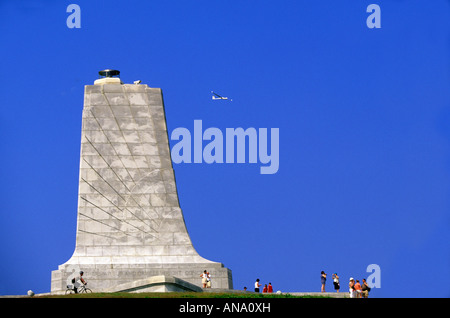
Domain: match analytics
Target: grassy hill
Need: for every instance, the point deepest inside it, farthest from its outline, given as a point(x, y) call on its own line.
point(183, 295)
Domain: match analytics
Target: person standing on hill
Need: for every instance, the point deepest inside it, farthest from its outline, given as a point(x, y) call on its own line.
point(365, 289)
point(204, 277)
point(336, 282)
point(351, 288)
point(323, 280)
point(257, 285)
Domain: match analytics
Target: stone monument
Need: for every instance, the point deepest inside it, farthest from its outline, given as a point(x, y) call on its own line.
point(130, 228)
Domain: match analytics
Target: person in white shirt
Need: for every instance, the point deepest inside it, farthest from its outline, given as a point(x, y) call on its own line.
point(76, 282)
point(257, 285)
point(204, 277)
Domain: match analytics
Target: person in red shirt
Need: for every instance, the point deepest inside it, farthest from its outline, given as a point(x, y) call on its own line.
point(269, 288)
point(265, 288)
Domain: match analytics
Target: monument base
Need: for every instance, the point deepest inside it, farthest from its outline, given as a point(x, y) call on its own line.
point(109, 277)
point(157, 284)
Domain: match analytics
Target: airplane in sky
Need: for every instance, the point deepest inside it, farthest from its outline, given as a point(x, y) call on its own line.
point(217, 96)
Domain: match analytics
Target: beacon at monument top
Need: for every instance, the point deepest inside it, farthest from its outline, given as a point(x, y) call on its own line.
point(108, 76)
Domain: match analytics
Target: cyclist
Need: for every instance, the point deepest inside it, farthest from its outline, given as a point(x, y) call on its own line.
point(76, 281)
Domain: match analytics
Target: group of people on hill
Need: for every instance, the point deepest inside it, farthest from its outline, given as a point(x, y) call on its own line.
point(355, 288)
point(358, 290)
point(266, 289)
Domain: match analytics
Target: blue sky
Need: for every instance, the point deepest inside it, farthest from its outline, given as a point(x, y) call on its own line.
point(363, 116)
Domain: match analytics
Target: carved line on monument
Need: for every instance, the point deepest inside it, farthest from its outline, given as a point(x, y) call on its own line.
point(107, 163)
point(121, 210)
point(121, 220)
point(115, 205)
point(148, 117)
point(130, 192)
point(124, 199)
point(134, 120)
point(142, 177)
point(121, 130)
point(149, 174)
point(103, 223)
point(123, 165)
point(115, 150)
point(98, 234)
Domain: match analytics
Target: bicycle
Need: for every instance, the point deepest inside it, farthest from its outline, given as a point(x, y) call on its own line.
point(82, 289)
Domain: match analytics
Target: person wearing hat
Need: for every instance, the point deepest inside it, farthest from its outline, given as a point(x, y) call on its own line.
point(336, 282)
point(351, 288)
